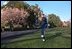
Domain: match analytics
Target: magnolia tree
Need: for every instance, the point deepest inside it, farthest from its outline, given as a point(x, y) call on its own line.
point(11, 16)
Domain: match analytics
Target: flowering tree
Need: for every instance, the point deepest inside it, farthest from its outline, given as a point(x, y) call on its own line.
point(13, 16)
point(19, 13)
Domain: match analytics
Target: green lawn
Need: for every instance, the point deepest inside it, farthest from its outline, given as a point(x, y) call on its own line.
point(55, 38)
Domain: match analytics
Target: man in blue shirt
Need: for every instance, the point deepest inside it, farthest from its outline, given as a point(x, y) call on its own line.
point(43, 23)
point(43, 26)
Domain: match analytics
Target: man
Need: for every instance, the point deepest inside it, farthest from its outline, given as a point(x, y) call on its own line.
point(43, 22)
point(43, 26)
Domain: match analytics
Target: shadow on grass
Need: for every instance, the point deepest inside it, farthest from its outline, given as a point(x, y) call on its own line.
point(23, 40)
point(18, 41)
point(51, 37)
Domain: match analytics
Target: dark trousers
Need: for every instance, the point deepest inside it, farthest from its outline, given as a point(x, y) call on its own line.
point(43, 27)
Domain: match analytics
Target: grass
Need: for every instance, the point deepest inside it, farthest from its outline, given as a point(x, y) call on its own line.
point(55, 38)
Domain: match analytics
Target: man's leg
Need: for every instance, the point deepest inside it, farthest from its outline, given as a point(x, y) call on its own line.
point(43, 34)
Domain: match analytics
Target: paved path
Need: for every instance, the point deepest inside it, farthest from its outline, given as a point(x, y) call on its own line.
point(6, 36)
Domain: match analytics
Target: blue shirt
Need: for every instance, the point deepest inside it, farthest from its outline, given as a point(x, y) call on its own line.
point(44, 23)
